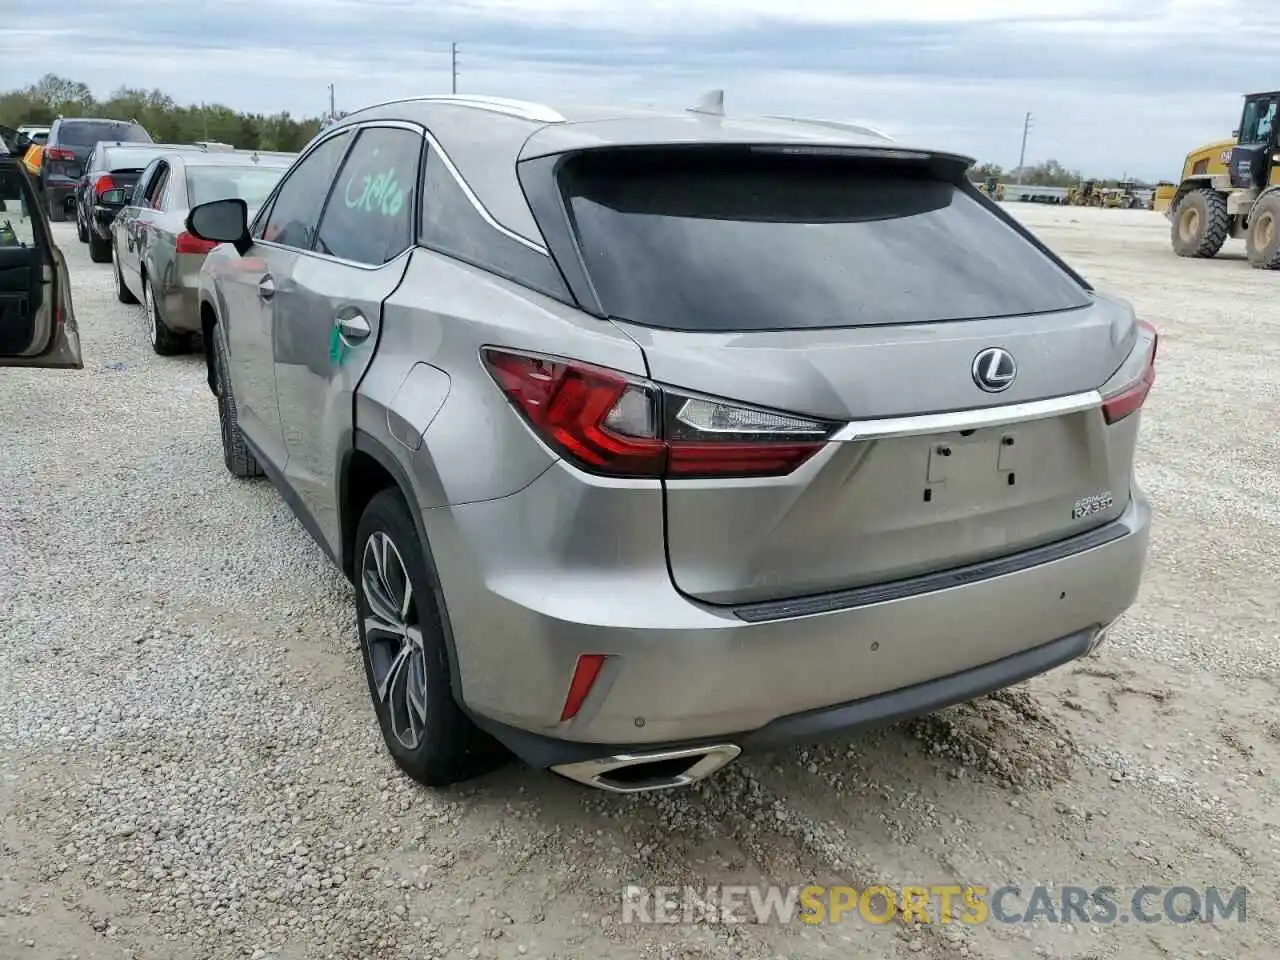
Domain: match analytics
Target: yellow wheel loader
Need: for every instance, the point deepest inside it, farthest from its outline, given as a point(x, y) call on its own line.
point(1232, 189)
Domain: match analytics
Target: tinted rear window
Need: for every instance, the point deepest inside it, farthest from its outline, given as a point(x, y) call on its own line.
point(85, 133)
point(747, 240)
point(250, 184)
point(130, 158)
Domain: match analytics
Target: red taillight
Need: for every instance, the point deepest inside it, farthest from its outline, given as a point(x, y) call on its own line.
point(1133, 395)
point(103, 184)
point(59, 153)
point(609, 423)
point(186, 243)
point(584, 677)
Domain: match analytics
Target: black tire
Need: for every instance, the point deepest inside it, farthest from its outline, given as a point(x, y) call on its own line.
point(235, 453)
point(445, 747)
point(163, 340)
point(123, 293)
point(82, 232)
point(99, 249)
point(1262, 241)
point(1200, 224)
point(57, 211)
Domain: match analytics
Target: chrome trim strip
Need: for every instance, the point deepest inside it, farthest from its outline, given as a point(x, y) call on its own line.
point(923, 424)
point(353, 129)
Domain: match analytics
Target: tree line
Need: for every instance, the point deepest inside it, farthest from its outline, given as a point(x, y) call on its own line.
point(166, 120)
point(170, 122)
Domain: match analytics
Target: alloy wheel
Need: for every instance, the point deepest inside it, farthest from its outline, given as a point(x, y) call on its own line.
point(394, 639)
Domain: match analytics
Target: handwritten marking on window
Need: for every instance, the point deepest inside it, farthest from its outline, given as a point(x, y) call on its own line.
point(375, 193)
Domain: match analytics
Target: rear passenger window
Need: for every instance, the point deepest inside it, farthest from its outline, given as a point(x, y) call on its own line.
point(371, 212)
point(293, 217)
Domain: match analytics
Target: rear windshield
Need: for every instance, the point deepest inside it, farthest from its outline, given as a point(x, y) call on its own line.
point(250, 184)
point(85, 133)
point(755, 240)
point(131, 158)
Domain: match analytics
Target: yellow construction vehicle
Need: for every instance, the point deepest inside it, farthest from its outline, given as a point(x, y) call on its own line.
point(1231, 189)
point(1085, 194)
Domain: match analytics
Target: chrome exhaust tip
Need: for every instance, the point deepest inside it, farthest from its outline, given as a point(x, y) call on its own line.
point(655, 770)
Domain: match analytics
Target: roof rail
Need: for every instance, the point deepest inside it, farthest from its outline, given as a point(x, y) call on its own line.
point(522, 109)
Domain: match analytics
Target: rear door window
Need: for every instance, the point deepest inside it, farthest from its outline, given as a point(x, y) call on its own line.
point(761, 240)
point(372, 211)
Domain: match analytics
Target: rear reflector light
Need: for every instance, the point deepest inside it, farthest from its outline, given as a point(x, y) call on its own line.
point(1133, 395)
point(585, 675)
point(103, 184)
point(186, 243)
point(609, 423)
point(59, 153)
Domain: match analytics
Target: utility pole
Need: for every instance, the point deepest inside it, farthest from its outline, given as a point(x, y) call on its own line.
point(454, 59)
point(1022, 156)
point(333, 110)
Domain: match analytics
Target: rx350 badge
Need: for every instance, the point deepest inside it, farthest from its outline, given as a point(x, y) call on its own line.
point(1088, 506)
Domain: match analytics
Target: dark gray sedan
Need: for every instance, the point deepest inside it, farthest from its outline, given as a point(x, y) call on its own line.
point(154, 258)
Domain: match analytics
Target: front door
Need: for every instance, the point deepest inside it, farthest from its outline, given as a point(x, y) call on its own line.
point(333, 310)
point(261, 285)
point(37, 322)
point(1251, 157)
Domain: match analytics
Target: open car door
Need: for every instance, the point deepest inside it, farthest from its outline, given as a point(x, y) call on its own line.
point(37, 323)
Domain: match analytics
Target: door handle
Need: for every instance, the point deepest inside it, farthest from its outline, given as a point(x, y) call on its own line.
point(353, 328)
point(266, 288)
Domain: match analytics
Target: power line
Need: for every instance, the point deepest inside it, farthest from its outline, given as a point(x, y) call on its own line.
point(1022, 156)
point(454, 58)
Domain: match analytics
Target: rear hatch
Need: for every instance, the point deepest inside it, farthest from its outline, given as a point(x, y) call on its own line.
point(866, 296)
point(77, 138)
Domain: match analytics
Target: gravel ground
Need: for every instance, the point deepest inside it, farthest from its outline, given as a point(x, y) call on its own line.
point(189, 767)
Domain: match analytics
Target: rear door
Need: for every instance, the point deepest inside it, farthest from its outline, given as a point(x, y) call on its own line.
point(963, 361)
point(333, 305)
point(145, 210)
point(37, 322)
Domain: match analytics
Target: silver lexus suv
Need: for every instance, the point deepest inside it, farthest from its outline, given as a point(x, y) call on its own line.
point(650, 437)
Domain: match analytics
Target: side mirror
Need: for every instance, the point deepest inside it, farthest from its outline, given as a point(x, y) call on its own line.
point(221, 221)
point(115, 198)
point(1235, 134)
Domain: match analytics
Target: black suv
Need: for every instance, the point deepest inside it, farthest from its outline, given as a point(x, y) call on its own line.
point(71, 140)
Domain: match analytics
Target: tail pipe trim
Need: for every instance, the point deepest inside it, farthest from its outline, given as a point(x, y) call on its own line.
point(656, 770)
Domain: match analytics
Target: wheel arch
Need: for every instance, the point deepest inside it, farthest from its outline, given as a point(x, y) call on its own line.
point(365, 468)
point(1186, 186)
point(208, 324)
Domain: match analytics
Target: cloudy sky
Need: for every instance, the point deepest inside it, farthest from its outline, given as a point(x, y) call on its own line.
point(1113, 85)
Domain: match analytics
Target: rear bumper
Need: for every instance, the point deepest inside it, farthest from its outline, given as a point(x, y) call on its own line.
point(59, 189)
point(182, 305)
point(681, 672)
point(835, 720)
point(101, 219)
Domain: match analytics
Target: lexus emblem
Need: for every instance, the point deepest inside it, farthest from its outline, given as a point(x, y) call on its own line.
point(994, 369)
